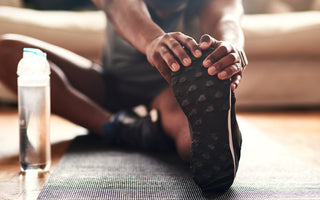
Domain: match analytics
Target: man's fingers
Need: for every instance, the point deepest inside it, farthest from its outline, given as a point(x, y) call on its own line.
point(235, 81)
point(206, 41)
point(177, 50)
point(169, 59)
point(224, 62)
point(229, 71)
point(221, 50)
point(164, 71)
point(189, 43)
point(178, 43)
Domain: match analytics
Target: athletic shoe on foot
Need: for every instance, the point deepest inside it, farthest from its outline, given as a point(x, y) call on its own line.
point(206, 101)
point(127, 128)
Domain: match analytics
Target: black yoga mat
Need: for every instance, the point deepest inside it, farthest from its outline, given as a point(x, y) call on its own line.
point(91, 170)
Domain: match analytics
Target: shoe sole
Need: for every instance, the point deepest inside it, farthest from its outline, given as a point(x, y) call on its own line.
point(206, 101)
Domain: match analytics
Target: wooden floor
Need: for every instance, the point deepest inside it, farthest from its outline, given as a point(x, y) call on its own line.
point(298, 131)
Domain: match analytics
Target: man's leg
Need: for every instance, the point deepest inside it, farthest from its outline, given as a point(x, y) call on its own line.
point(205, 128)
point(77, 88)
point(174, 121)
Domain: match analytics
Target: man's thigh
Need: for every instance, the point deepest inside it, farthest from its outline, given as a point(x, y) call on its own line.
point(78, 71)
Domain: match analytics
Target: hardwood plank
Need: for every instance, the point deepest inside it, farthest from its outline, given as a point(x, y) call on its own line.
point(13, 184)
point(298, 131)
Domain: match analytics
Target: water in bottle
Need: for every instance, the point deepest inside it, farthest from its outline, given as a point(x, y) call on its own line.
point(34, 110)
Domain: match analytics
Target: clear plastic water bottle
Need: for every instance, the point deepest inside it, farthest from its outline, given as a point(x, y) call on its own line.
point(34, 110)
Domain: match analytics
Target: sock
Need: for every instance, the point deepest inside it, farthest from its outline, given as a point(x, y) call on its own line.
point(110, 129)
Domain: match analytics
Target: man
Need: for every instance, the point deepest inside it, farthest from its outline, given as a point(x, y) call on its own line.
point(195, 110)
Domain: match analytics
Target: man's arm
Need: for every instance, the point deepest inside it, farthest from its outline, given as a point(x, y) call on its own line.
point(220, 19)
point(132, 21)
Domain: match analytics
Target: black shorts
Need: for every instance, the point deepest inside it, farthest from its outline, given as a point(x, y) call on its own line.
point(124, 95)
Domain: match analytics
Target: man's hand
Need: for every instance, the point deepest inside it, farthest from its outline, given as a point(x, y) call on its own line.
point(224, 60)
point(167, 50)
point(99, 3)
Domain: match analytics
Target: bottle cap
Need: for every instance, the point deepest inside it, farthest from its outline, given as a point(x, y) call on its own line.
point(33, 63)
point(33, 51)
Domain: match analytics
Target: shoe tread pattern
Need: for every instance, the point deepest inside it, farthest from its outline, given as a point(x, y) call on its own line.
point(205, 101)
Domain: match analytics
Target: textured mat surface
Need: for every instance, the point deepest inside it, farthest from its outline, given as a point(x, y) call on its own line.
point(89, 170)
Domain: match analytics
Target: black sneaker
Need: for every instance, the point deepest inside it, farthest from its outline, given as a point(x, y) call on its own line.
point(206, 101)
point(129, 129)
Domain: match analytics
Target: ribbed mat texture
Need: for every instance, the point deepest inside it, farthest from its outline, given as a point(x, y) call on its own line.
point(90, 170)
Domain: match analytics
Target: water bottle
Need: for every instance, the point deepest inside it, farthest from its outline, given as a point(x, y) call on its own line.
point(34, 111)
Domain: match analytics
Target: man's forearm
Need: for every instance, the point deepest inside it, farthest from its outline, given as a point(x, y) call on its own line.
point(132, 21)
point(221, 20)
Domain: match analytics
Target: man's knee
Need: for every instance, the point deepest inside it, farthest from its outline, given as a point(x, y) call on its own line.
point(9, 56)
point(10, 51)
point(9, 42)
